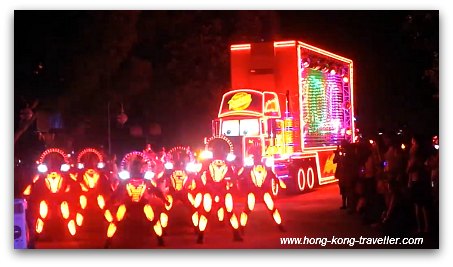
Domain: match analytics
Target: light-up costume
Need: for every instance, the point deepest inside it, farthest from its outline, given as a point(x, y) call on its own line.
point(180, 181)
point(136, 198)
point(219, 186)
point(95, 187)
point(52, 203)
point(256, 183)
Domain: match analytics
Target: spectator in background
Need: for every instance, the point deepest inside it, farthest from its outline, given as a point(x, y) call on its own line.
point(433, 167)
point(393, 172)
point(340, 174)
point(419, 183)
point(394, 219)
point(368, 201)
point(393, 161)
point(349, 174)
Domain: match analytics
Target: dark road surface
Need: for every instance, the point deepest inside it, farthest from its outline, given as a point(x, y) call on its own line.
point(311, 215)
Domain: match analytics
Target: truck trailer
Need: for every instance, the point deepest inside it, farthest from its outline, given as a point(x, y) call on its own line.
point(292, 104)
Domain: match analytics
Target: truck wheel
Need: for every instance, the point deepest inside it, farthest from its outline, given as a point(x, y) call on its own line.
point(301, 179)
point(310, 178)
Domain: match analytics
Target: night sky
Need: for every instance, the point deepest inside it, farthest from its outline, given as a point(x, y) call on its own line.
point(391, 50)
point(390, 89)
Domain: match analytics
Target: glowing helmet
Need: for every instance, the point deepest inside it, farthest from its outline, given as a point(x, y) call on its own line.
point(221, 148)
point(136, 165)
point(90, 158)
point(53, 160)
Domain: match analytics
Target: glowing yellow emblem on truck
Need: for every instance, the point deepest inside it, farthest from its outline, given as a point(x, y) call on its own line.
point(330, 167)
point(240, 101)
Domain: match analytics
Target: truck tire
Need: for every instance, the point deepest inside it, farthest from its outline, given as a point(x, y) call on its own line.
point(303, 179)
point(310, 178)
point(296, 182)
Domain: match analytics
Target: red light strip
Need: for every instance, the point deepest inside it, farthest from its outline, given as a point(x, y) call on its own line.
point(321, 148)
point(90, 150)
point(328, 180)
point(241, 113)
point(284, 43)
point(351, 86)
point(220, 128)
point(324, 52)
point(318, 168)
point(240, 47)
point(301, 111)
point(305, 156)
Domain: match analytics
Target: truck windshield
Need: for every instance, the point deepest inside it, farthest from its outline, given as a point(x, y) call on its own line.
point(246, 127)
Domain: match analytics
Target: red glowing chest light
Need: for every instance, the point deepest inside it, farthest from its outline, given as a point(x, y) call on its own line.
point(218, 169)
point(135, 189)
point(259, 175)
point(53, 182)
point(178, 179)
point(91, 178)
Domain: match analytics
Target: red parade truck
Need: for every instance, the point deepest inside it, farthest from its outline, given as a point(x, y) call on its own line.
point(293, 103)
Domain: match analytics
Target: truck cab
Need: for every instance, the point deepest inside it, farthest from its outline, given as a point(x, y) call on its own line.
point(249, 118)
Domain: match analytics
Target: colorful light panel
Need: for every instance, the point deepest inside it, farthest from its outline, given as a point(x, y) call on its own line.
point(322, 98)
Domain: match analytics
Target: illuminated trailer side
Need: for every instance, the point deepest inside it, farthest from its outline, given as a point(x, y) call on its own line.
point(297, 101)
